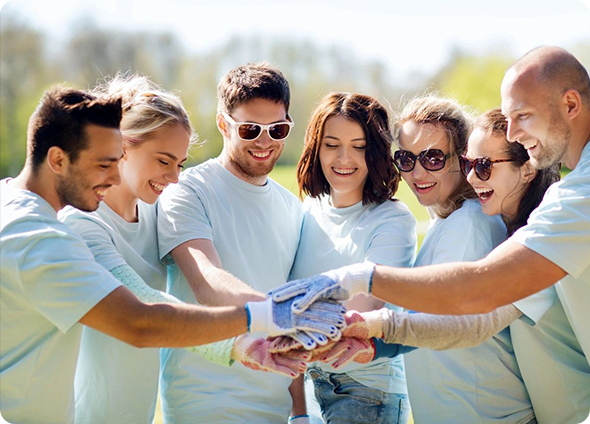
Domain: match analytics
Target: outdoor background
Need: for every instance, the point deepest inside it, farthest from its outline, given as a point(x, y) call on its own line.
point(388, 49)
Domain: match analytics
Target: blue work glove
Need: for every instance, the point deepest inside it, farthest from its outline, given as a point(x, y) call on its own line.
point(338, 284)
point(278, 318)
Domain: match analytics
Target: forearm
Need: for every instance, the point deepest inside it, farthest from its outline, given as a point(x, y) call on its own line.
point(441, 332)
point(212, 285)
point(123, 316)
point(509, 273)
point(297, 391)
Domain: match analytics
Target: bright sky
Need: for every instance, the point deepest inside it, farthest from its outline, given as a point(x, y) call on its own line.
point(410, 36)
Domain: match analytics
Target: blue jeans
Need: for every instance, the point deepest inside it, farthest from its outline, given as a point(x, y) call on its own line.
point(344, 400)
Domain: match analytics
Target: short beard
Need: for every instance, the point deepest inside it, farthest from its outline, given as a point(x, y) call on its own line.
point(556, 142)
point(252, 172)
point(68, 191)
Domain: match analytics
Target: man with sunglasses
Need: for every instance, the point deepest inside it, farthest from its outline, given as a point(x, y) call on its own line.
point(231, 234)
point(546, 100)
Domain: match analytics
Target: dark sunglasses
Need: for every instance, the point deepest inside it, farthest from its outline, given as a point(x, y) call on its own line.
point(431, 159)
point(481, 166)
point(250, 131)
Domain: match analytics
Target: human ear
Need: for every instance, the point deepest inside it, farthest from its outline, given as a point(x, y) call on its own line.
point(528, 172)
point(573, 103)
point(222, 125)
point(57, 160)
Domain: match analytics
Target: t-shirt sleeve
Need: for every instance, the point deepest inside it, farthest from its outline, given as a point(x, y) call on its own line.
point(61, 279)
point(535, 306)
point(394, 242)
point(559, 229)
point(98, 241)
point(181, 217)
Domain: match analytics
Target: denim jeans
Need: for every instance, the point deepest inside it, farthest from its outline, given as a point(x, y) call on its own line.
point(344, 400)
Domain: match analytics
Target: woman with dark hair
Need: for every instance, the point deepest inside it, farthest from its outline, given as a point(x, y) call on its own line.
point(350, 216)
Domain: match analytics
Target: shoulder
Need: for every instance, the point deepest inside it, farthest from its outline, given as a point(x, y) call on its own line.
point(83, 222)
point(281, 191)
point(393, 209)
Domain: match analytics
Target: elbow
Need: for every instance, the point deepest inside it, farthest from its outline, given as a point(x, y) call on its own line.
point(136, 331)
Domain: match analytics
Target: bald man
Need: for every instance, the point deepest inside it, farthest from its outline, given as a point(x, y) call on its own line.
point(546, 100)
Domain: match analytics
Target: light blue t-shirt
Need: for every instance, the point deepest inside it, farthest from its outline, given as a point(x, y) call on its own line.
point(117, 383)
point(255, 230)
point(553, 366)
point(482, 384)
point(334, 237)
point(559, 230)
point(49, 281)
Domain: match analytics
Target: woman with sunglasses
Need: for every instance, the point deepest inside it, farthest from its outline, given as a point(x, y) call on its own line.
point(470, 385)
point(115, 382)
point(350, 215)
point(553, 367)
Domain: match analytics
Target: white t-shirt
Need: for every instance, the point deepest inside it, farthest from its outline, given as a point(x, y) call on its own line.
point(559, 229)
point(553, 366)
point(117, 383)
point(482, 384)
point(334, 237)
point(49, 281)
point(255, 230)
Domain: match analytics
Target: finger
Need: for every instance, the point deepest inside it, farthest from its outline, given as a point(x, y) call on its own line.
point(285, 366)
point(301, 304)
point(318, 338)
point(357, 347)
point(283, 344)
point(339, 349)
point(335, 318)
point(317, 326)
point(286, 292)
point(307, 339)
point(299, 355)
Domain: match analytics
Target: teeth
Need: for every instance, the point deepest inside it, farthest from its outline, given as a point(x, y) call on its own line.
point(483, 190)
point(261, 154)
point(425, 185)
point(344, 170)
point(529, 146)
point(100, 191)
point(158, 187)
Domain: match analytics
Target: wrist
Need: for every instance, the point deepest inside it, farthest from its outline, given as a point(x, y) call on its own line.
point(374, 321)
point(355, 278)
point(257, 316)
point(299, 419)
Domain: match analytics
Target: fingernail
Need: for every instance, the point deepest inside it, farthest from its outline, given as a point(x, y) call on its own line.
point(324, 358)
point(348, 348)
point(292, 374)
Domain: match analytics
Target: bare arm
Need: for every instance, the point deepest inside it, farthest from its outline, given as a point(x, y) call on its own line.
point(509, 273)
point(442, 332)
point(297, 391)
point(123, 316)
point(200, 263)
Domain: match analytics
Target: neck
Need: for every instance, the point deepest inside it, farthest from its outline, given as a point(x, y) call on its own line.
point(344, 200)
point(230, 166)
point(579, 140)
point(42, 184)
point(120, 199)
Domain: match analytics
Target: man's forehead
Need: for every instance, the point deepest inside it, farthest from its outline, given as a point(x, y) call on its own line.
point(518, 88)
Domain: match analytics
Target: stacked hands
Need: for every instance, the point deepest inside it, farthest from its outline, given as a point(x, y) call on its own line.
point(307, 323)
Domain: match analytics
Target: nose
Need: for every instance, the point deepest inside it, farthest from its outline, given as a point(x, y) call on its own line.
point(263, 140)
point(418, 170)
point(513, 131)
point(172, 176)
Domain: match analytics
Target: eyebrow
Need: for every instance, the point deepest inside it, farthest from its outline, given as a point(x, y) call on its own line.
point(109, 159)
point(170, 155)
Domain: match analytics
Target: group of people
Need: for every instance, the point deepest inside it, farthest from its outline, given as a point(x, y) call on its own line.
point(101, 228)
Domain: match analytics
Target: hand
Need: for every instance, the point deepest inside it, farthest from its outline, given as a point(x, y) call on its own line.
point(253, 353)
point(278, 318)
point(344, 351)
point(338, 284)
point(308, 340)
point(365, 325)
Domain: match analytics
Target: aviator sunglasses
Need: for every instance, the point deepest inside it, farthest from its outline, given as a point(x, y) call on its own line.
point(430, 159)
point(481, 166)
point(250, 131)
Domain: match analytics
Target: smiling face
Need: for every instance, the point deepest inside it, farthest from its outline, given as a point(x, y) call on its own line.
point(533, 120)
point(342, 156)
point(431, 188)
point(150, 165)
point(252, 161)
point(87, 179)
point(502, 192)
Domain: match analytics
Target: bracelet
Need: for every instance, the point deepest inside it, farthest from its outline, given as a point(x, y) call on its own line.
point(299, 416)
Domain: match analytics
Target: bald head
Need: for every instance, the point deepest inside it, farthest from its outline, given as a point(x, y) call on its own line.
point(555, 69)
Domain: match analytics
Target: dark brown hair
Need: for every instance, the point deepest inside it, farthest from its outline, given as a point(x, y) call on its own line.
point(450, 116)
point(251, 81)
point(61, 119)
point(383, 178)
point(494, 123)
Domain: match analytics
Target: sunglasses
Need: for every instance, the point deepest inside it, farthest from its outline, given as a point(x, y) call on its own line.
point(431, 159)
point(250, 131)
point(481, 166)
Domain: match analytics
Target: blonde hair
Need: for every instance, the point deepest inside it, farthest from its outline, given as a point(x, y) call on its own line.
point(146, 107)
point(450, 116)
